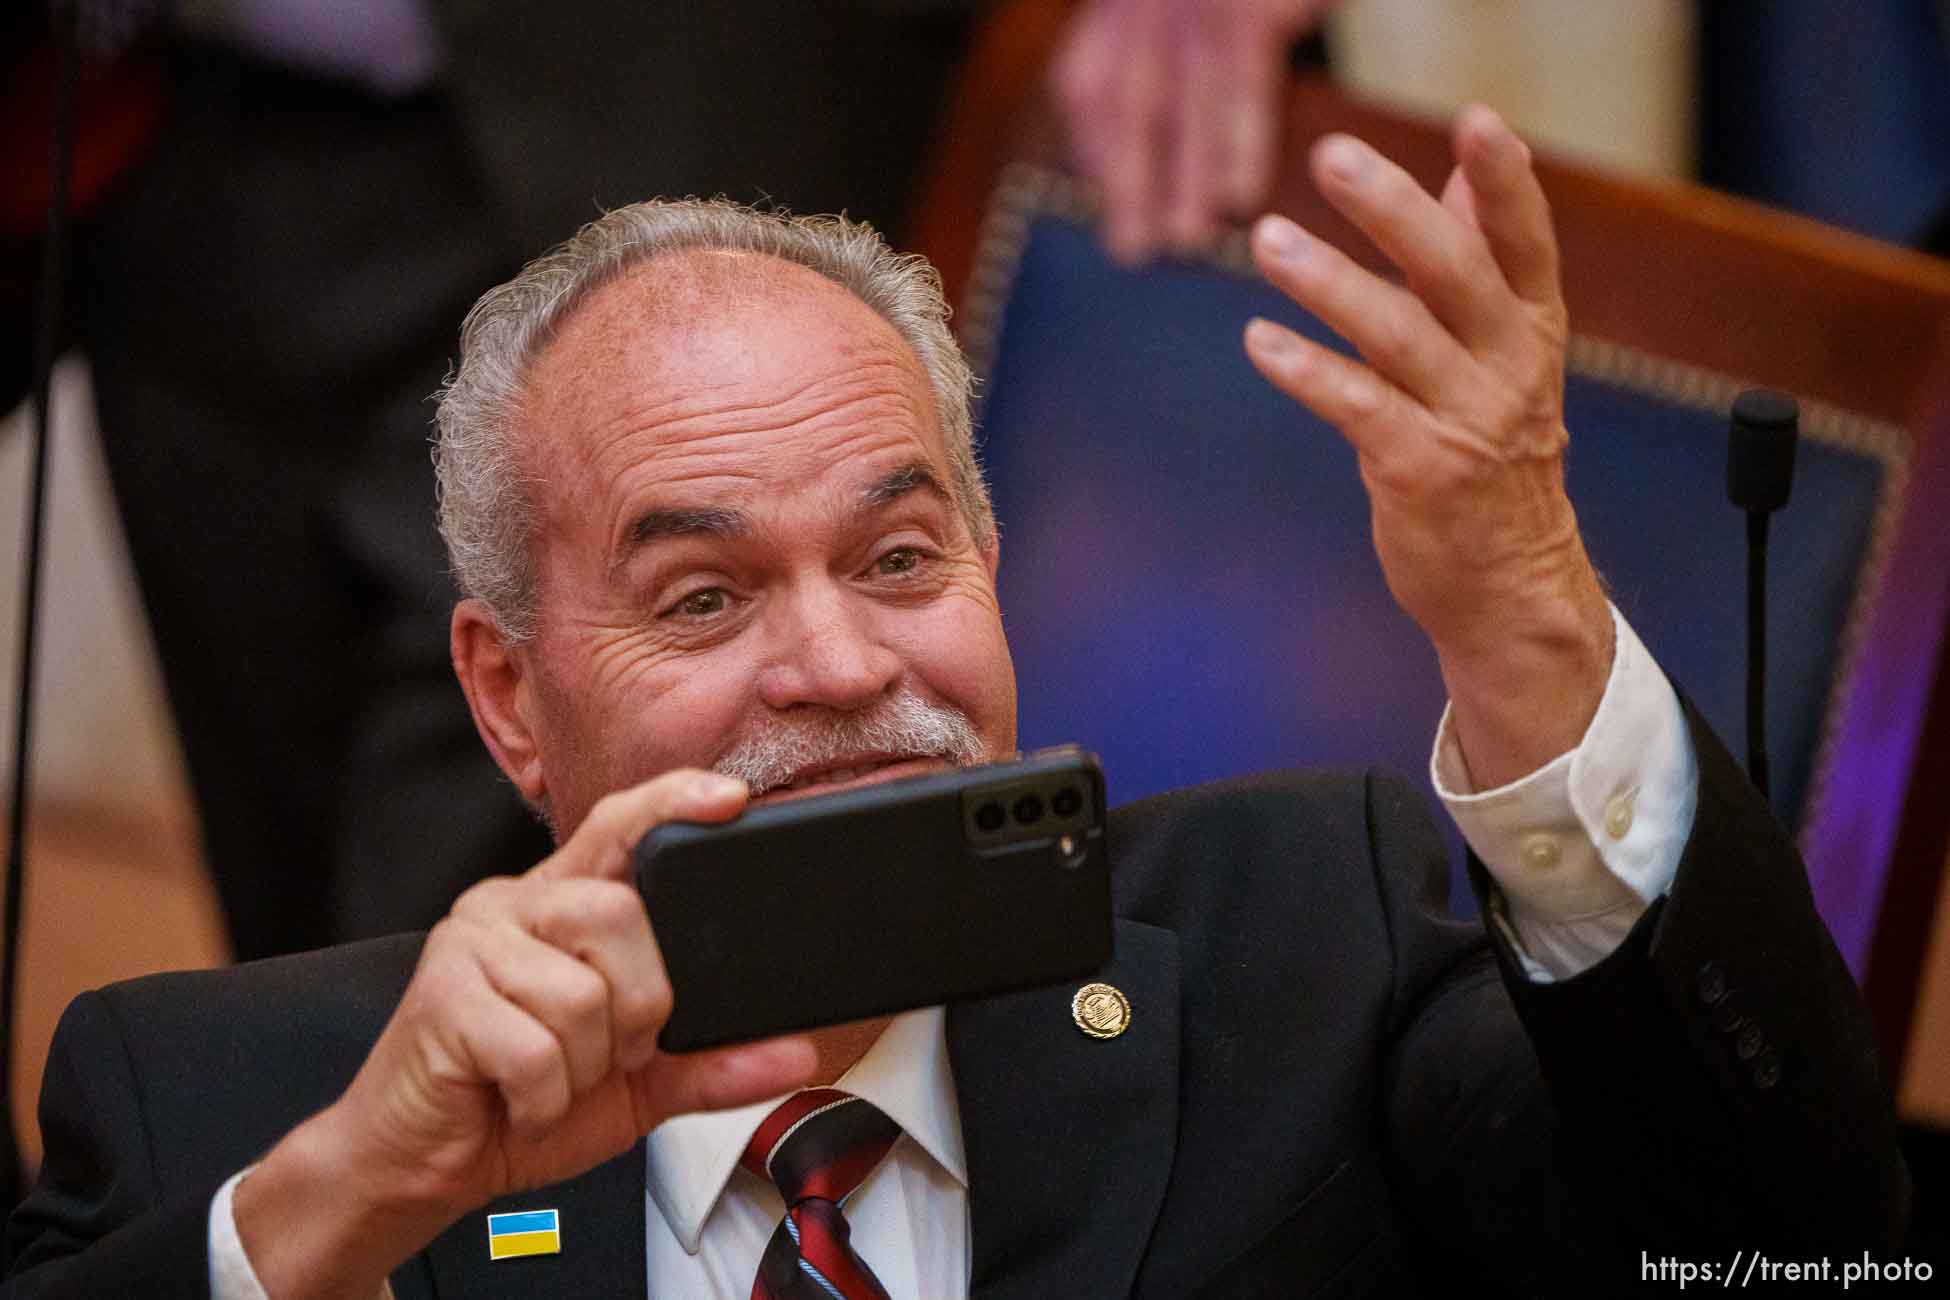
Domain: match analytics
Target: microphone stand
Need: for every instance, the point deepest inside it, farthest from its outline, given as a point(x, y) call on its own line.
point(1757, 651)
point(1760, 472)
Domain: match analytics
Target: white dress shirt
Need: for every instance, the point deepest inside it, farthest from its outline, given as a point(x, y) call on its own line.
point(709, 1220)
point(1578, 850)
point(1581, 847)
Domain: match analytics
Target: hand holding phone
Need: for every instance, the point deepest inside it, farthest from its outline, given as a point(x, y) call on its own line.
point(865, 902)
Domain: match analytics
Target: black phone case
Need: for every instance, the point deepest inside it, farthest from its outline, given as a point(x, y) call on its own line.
point(877, 900)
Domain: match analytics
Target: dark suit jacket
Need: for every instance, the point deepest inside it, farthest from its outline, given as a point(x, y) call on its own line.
point(1326, 1089)
point(825, 105)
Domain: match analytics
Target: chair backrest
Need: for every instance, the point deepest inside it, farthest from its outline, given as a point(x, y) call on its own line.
point(1187, 576)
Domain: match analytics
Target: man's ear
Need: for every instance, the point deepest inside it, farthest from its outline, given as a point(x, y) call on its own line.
point(498, 681)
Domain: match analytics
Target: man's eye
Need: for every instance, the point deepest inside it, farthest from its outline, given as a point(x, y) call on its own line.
point(701, 604)
point(899, 561)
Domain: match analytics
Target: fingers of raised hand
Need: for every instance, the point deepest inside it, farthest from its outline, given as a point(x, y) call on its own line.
point(1509, 204)
point(1478, 335)
point(1391, 327)
point(1366, 408)
point(604, 845)
point(1446, 262)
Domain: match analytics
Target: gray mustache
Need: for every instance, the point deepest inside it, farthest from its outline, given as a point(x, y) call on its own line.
point(904, 724)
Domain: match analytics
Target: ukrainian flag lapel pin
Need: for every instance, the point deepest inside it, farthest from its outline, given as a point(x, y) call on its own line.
point(529, 1232)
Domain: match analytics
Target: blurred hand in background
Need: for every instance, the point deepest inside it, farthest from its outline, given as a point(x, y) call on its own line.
point(1173, 110)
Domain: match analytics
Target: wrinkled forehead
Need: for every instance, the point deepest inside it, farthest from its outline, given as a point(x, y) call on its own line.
point(660, 315)
point(674, 296)
point(692, 341)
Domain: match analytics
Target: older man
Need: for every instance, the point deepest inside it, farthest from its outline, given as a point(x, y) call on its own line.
point(709, 488)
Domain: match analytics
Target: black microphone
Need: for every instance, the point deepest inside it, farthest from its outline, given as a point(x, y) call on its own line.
point(1760, 472)
point(1760, 457)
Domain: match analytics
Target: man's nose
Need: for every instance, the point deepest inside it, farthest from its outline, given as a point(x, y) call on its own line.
point(825, 649)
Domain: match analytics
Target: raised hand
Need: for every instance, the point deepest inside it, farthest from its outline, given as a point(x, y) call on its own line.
point(1456, 414)
point(524, 1051)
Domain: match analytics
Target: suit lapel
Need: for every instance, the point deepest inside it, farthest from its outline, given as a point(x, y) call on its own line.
point(602, 1227)
point(1069, 1138)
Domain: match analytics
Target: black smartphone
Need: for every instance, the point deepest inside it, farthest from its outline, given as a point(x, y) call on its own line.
point(866, 902)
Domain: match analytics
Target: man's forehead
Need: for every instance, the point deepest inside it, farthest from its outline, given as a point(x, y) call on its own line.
point(729, 306)
point(693, 290)
point(693, 342)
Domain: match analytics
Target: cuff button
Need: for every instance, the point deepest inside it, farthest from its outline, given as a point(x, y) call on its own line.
point(1540, 852)
point(1618, 815)
point(1712, 982)
point(1748, 1042)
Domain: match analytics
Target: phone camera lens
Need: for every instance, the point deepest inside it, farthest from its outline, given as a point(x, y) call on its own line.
point(1065, 802)
point(1029, 809)
point(989, 817)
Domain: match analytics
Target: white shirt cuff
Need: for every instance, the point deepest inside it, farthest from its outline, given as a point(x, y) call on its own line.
point(231, 1274)
point(1580, 847)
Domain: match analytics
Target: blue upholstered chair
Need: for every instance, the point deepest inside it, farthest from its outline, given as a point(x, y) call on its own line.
point(1187, 577)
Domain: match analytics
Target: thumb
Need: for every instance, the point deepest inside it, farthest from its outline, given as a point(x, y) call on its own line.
point(720, 1078)
point(604, 845)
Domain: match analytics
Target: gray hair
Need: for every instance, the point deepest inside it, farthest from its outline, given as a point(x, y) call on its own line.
point(487, 509)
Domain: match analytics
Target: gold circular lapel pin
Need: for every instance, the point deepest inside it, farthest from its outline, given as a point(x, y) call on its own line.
point(1101, 1010)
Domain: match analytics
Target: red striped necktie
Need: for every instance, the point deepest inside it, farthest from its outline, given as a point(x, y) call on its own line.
point(816, 1148)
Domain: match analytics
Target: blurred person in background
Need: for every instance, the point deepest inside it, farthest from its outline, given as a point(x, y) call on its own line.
point(268, 300)
point(267, 297)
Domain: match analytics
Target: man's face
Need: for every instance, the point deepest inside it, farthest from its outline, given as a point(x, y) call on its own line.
point(748, 555)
